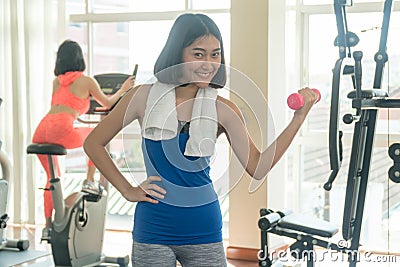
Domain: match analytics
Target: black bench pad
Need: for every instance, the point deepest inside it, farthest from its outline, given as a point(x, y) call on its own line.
point(308, 225)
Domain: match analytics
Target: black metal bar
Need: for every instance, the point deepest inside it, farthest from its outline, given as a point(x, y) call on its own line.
point(264, 256)
point(357, 55)
point(371, 123)
point(334, 141)
point(340, 22)
point(352, 184)
point(381, 56)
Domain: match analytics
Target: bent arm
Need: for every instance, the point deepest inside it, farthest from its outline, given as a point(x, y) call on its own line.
point(126, 111)
point(258, 164)
point(103, 133)
point(105, 100)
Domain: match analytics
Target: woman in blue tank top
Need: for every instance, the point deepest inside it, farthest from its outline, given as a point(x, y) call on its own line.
point(178, 217)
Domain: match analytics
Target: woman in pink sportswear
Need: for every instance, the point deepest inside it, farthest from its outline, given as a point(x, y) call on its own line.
point(70, 99)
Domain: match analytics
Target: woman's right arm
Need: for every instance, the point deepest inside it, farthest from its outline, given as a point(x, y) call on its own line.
point(123, 113)
point(109, 100)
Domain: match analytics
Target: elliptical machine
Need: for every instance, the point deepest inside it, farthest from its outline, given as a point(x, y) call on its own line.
point(79, 221)
point(6, 171)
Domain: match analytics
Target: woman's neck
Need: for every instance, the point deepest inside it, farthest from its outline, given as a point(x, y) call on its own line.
point(186, 92)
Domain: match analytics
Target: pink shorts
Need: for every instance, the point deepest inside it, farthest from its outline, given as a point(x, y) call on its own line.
point(59, 129)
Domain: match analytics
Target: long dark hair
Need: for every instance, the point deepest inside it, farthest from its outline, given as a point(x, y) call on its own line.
point(69, 58)
point(186, 29)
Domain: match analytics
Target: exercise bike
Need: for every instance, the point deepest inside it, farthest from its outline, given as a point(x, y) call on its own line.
point(78, 227)
point(6, 171)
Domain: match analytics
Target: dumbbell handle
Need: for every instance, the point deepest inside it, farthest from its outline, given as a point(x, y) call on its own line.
point(295, 101)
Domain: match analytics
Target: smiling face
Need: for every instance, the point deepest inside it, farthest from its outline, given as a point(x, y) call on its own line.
point(202, 60)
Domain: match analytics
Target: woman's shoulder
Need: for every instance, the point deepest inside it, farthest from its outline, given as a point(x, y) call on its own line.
point(223, 102)
point(144, 87)
point(141, 89)
point(227, 109)
point(136, 99)
point(139, 92)
point(87, 79)
point(56, 82)
point(87, 82)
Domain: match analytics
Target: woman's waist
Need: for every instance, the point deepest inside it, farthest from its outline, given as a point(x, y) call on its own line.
point(59, 109)
point(79, 105)
point(187, 194)
point(173, 176)
point(172, 212)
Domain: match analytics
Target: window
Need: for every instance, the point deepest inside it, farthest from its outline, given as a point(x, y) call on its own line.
point(110, 6)
point(311, 148)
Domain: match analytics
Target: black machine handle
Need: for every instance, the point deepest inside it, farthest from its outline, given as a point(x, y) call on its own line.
point(345, 40)
point(357, 55)
point(135, 70)
point(381, 56)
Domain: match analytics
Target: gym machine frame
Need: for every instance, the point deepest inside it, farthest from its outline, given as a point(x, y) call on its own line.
point(5, 165)
point(366, 103)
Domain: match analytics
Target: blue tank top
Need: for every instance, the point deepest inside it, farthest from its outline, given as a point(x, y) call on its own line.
point(190, 212)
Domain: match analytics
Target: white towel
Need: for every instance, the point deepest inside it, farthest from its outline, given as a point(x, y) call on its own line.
point(160, 118)
point(161, 121)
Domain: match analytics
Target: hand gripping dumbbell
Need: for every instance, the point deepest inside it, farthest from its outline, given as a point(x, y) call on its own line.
point(295, 101)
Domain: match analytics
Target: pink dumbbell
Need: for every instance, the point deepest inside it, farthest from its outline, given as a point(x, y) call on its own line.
point(295, 101)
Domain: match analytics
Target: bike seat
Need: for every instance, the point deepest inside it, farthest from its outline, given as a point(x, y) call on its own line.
point(46, 149)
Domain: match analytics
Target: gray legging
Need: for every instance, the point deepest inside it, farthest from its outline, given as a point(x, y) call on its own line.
point(145, 255)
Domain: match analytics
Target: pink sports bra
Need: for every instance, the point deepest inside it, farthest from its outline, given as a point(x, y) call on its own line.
point(63, 95)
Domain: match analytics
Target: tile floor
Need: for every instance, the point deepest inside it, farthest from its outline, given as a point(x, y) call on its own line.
point(116, 243)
